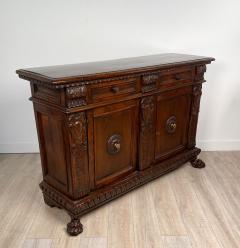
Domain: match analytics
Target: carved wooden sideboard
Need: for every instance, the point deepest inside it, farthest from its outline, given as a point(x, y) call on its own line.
point(106, 128)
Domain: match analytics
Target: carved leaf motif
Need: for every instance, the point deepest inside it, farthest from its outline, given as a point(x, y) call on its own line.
point(78, 147)
point(197, 92)
point(147, 131)
point(77, 123)
point(147, 110)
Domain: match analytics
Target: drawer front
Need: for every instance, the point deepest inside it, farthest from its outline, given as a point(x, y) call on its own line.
point(116, 89)
point(115, 140)
point(172, 120)
point(176, 76)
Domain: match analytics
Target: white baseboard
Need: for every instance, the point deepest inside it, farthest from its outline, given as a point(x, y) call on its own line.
point(205, 145)
point(19, 148)
point(219, 145)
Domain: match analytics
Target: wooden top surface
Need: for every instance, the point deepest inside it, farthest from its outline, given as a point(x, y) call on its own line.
point(102, 69)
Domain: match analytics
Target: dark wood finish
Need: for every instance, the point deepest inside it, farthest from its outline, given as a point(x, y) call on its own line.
point(106, 128)
point(173, 108)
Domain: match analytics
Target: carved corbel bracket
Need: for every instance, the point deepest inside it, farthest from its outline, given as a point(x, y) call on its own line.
point(200, 70)
point(76, 96)
point(149, 82)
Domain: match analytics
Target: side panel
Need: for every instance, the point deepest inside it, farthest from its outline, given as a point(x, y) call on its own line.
point(50, 126)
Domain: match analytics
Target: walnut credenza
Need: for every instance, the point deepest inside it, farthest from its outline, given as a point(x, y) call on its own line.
point(105, 128)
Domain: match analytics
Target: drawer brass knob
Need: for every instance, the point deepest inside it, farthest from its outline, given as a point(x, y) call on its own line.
point(115, 89)
point(178, 77)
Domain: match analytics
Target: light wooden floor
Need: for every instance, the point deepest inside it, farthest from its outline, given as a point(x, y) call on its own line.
point(187, 208)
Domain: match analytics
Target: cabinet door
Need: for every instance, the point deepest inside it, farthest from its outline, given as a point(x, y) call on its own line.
point(115, 140)
point(173, 110)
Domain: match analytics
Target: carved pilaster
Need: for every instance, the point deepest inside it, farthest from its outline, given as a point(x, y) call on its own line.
point(197, 92)
point(76, 96)
point(147, 130)
point(78, 148)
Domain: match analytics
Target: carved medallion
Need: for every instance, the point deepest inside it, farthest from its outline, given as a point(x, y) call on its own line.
point(171, 124)
point(114, 144)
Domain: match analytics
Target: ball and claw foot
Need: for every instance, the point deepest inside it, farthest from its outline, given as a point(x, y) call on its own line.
point(74, 227)
point(197, 163)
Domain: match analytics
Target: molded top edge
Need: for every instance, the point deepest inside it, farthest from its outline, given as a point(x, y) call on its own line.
point(60, 74)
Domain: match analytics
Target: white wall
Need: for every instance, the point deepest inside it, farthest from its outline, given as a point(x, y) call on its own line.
point(39, 33)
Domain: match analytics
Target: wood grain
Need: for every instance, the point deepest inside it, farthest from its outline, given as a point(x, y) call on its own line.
point(106, 128)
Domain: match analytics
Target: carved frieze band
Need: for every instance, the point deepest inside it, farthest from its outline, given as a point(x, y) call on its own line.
point(78, 147)
point(147, 131)
point(86, 204)
point(196, 97)
point(76, 96)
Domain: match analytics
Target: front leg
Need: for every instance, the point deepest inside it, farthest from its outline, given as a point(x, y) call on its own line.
point(74, 227)
point(197, 163)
